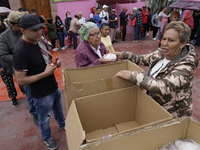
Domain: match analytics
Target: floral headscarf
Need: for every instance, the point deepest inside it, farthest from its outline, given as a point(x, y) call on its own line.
point(85, 30)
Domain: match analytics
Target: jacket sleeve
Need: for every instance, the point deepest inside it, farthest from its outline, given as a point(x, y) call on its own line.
point(122, 15)
point(152, 20)
point(144, 60)
point(131, 17)
point(178, 79)
point(82, 60)
point(5, 53)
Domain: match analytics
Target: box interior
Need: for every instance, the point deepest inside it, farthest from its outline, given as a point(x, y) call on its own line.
point(117, 112)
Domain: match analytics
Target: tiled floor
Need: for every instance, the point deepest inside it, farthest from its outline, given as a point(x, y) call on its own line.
point(17, 130)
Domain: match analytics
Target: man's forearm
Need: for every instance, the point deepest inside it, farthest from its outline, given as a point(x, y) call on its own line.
point(29, 79)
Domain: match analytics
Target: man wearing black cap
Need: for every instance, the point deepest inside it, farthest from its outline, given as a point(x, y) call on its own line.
point(32, 66)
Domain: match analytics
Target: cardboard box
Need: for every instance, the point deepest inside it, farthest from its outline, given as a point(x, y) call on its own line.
point(96, 79)
point(150, 138)
point(110, 114)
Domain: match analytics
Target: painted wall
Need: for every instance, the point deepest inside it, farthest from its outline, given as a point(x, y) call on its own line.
point(84, 6)
point(74, 7)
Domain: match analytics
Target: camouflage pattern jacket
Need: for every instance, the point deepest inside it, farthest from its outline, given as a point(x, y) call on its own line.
point(172, 87)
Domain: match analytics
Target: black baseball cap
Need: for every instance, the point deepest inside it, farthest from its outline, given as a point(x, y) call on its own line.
point(29, 21)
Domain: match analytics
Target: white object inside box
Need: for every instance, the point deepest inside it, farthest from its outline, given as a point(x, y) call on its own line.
point(110, 56)
point(185, 144)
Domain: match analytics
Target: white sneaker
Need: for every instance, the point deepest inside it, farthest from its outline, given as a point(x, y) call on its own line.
point(135, 40)
point(147, 33)
point(63, 48)
point(54, 49)
point(154, 39)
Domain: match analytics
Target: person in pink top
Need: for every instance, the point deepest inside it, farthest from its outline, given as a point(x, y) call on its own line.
point(188, 19)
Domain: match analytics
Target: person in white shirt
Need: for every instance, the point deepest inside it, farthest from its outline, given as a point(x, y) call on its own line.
point(81, 21)
point(104, 14)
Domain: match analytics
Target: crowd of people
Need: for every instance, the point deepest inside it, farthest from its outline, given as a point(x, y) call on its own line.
point(25, 53)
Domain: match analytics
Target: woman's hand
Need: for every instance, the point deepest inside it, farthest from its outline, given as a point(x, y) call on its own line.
point(118, 54)
point(125, 74)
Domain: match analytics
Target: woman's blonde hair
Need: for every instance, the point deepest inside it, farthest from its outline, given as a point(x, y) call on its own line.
point(183, 30)
point(79, 13)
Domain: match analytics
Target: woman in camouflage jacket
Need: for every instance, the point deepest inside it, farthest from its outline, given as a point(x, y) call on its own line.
point(170, 84)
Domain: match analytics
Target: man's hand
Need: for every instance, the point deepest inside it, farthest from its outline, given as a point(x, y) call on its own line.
point(49, 70)
point(2, 70)
point(125, 74)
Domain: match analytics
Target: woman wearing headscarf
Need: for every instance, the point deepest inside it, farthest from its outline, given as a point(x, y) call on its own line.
point(91, 51)
point(92, 12)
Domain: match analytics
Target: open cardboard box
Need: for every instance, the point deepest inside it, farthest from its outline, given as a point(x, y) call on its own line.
point(106, 115)
point(150, 138)
point(81, 82)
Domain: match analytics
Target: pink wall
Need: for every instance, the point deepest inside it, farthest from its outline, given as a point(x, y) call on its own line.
point(119, 9)
point(84, 6)
point(74, 7)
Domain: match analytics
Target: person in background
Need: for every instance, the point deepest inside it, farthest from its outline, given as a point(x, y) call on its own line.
point(60, 31)
point(172, 67)
point(92, 12)
point(74, 25)
point(161, 16)
point(138, 24)
point(23, 10)
point(174, 16)
point(149, 21)
point(32, 67)
point(97, 18)
point(81, 18)
point(196, 17)
point(104, 14)
point(8, 40)
point(145, 16)
point(123, 23)
point(113, 25)
point(67, 25)
point(81, 21)
point(33, 12)
point(155, 23)
point(188, 19)
point(91, 51)
point(91, 20)
point(105, 38)
point(183, 10)
point(3, 27)
point(52, 33)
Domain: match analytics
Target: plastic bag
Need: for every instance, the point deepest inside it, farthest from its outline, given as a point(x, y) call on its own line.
point(185, 144)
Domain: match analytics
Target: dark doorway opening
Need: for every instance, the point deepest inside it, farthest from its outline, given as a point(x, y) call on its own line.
point(4, 3)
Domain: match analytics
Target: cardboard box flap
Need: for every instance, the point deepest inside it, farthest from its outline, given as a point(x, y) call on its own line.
point(77, 90)
point(74, 130)
point(151, 109)
point(148, 138)
point(125, 126)
point(96, 72)
point(193, 130)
